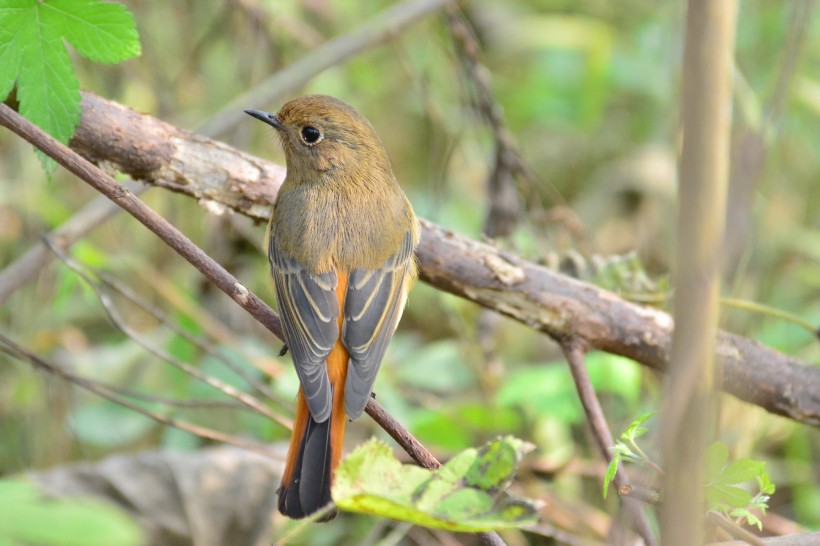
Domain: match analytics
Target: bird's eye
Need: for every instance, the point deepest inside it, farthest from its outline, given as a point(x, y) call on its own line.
point(311, 135)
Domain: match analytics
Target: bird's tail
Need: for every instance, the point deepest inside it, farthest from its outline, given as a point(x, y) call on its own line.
point(315, 449)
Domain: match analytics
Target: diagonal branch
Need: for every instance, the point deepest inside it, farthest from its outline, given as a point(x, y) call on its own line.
point(113, 313)
point(101, 389)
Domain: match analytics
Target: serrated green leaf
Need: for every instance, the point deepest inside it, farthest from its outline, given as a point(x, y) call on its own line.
point(34, 55)
point(729, 495)
point(47, 89)
point(750, 518)
point(370, 480)
point(716, 456)
point(740, 471)
point(765, 483)
point(102, 31)
point(12, 16)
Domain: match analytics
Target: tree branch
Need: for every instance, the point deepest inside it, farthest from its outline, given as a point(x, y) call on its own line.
point(223, 178)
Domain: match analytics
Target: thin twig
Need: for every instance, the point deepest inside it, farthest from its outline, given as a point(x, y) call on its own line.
point(16, 274)
point(805, 539)
point(401, 435)
point(13, 349)
point(202, 344)
point(799, 21)
point(752, 146)
point(733, 528)
point(113, 313)
point(574, 353)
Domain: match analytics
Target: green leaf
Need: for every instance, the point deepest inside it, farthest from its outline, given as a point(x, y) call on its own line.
point(438, 366)
point(611, 469)
point(102, 31)
point(28, 517)
point(760, 502)
point(542, 390)
point(463, 495)
point(494, 466)
point(46, 87)
point(615, 374)
point(741, 470)
point(750, 518)
point(13, 15)
point(734, 497)
point(635, 430)
point(488, 419)
point(716, 456)
point(765, 483)
point(34, 55)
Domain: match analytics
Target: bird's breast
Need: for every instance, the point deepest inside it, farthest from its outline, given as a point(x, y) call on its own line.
point(328, 230)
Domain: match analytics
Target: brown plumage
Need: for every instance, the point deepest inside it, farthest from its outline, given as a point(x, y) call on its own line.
point(342, 236)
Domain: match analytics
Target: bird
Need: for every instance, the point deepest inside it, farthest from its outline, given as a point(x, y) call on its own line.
point(342, 237)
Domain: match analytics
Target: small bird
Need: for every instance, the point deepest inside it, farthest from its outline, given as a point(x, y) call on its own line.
point(342, 237)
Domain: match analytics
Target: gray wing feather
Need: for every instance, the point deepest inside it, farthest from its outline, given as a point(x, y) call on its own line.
point(373, 306)
point(310, 312)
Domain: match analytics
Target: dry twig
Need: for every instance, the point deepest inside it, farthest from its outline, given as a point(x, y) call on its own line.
point(100, 389)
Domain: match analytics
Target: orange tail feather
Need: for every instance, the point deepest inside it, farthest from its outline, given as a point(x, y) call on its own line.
point(316, 448)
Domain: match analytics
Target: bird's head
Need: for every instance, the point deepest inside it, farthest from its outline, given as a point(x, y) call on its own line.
point(320, 134)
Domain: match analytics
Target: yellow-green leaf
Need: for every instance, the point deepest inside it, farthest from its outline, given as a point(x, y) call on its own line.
point(463, 495)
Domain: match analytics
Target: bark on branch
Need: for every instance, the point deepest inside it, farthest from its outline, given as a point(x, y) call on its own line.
point(223, 178)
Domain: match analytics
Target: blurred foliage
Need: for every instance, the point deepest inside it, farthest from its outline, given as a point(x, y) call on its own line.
point(590, 91)
point(28, 517)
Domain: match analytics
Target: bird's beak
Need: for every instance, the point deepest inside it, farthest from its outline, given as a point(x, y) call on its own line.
point(267, 117)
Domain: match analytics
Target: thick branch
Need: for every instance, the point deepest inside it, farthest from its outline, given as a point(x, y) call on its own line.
point(559, 306)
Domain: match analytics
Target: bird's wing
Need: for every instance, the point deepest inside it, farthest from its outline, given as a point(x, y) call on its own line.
point(310, 313)
point(374, 303)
